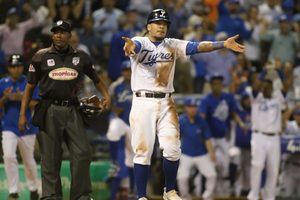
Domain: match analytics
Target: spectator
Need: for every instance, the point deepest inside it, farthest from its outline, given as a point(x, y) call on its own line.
point(129, 27)
point(230, 22)
point(221, 62)
point(13, 31)
point(270, 10)
point(89, 38)
point(240, 73)
point(76, 44)
point(284, 42)
point(252, 51)
point(106, 20)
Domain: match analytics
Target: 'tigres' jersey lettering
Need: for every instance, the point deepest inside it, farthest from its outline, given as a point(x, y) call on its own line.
point(149, 58)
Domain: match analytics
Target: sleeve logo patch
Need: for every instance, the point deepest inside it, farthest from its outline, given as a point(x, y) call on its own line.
point(50, 62)
point(31, 68)
point(75, 60)
point(63, 74)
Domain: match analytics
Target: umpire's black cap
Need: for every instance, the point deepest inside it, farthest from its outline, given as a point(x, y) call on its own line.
point(15, 60)
point(158, 15)
point(62, 25)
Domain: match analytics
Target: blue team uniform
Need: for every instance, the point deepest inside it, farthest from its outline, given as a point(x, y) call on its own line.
point(217, 111)
point(243, 139)
point(123, 99)
point(193, 135)
point(12, 108)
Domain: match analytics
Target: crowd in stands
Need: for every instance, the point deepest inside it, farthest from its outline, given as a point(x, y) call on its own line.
point(270, 30)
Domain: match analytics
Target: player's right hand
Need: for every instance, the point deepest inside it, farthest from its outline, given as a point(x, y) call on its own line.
point(129, 47)
point(212, 156)
point(22, 123)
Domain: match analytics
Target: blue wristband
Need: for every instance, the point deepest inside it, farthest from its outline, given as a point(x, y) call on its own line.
point(218, 45)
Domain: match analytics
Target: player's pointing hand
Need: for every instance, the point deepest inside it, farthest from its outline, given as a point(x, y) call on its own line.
point(129, 46)
point(230, 43)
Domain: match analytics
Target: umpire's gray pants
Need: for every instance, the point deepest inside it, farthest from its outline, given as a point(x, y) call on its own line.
point(64, 124)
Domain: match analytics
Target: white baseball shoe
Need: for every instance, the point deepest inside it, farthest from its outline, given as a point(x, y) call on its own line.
point(171, 195)
point(143, 198)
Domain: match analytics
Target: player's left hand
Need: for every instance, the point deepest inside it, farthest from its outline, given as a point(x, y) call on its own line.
point(22, 123)
point(230, 43)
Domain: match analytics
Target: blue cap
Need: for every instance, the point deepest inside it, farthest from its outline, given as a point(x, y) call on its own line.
point(216, 76)
point(283, 18)
point(125, 65)
point(191, 102)
point(297, 112)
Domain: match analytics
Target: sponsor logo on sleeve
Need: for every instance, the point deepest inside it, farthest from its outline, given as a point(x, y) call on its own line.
point(75, 60)
point(50, 62)
point(63, 74)
point(31, 68)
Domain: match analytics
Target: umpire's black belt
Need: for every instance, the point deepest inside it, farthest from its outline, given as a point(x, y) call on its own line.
point(265, 133)
point(65, 103)
point(158, 95)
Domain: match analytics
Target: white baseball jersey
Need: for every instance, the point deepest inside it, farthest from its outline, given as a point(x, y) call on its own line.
point(153, 66)
point(118, 128)
point(266, 113)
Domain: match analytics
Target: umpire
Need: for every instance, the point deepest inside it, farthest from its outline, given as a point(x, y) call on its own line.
point(59, 72)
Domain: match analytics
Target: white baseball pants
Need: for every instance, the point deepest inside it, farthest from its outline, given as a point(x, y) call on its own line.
point(150, 117)
point(205, 166)
point(265, 150)
point(10, 141)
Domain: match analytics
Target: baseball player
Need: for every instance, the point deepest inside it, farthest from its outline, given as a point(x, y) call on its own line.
point(242, 143)
point(11, 92)
point(119, 132)
point(197, 151)
point(266, 118)
point(290, 174)
point(153, 111)
point(218, 109)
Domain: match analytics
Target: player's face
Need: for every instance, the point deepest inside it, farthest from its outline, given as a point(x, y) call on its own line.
point(61, 38)
point(246, 103)
point(216, 86)
point(267, 89)
point(15, 71)
point(191, 110)
point(158, 30)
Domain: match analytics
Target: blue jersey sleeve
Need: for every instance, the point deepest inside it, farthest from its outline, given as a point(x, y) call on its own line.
point(192, 48)
point(232, 103)
point(181, 124)
point(206, 130)
point(138, 46)
point(203, 106)
point(35, 95)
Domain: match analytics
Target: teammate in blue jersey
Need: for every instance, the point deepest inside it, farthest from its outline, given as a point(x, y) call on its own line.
point(11, 92)
point(197, 150)
point(122, 93)
point(218, 108)
point(118, 132)
point(242, 146)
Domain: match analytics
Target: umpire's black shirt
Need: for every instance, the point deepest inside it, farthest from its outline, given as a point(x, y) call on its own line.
point(60, 74)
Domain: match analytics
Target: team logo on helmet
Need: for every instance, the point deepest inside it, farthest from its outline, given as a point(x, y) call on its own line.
point(60, 22)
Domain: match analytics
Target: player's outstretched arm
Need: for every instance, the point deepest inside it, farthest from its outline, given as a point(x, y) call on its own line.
point(230, 43)
point(129, 46)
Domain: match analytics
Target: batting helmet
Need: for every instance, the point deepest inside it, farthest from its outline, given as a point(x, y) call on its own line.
point(15, 60)
point(158, 15)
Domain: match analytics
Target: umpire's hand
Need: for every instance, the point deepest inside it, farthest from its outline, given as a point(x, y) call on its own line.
point(22, 123)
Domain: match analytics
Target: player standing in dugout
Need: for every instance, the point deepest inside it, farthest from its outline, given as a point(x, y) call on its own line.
point(153, 110)
point(59, 70)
